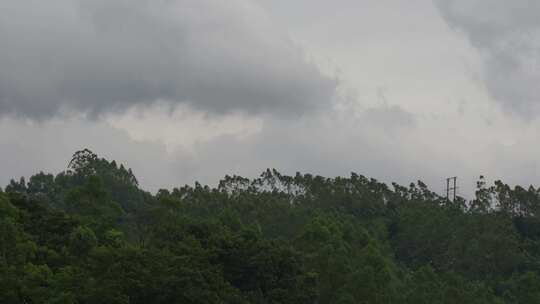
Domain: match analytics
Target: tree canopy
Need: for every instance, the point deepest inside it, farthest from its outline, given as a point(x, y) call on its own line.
point(90, 234)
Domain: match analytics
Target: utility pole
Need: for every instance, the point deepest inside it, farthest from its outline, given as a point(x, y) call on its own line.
point(452, 188)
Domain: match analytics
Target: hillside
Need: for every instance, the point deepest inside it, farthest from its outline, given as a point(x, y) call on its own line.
point(90, 234)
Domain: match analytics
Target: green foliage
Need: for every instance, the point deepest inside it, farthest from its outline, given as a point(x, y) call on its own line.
point(81, 241)
point(91, 235)
point(92, 205)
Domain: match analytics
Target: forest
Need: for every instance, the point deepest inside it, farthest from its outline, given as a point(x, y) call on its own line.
point(90, 234)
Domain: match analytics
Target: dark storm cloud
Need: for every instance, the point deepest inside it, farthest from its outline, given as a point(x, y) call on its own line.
point(507, 34)
point(107, 55)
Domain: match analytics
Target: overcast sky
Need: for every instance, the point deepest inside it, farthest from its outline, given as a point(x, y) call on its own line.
point(192, 90)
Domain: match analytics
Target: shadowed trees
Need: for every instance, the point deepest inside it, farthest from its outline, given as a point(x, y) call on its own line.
point(91, 235)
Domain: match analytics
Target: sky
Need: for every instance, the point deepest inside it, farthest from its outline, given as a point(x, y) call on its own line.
point(192, 90)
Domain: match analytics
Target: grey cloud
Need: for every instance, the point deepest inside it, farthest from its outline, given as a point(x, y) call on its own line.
point(107, 55)
point(28, 148)
point(507, 34)
point(331, 145)
point(389, 118)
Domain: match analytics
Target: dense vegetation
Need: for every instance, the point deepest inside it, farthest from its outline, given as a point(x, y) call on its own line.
point(91, 235)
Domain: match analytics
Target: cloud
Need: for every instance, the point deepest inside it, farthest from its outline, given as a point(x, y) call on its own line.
point(182, 127)
point(389, 118)
point(507, 34)
point(194, 90)
point(29, 147)
point(341, 141)
point(332, 144)
point(104, 56)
